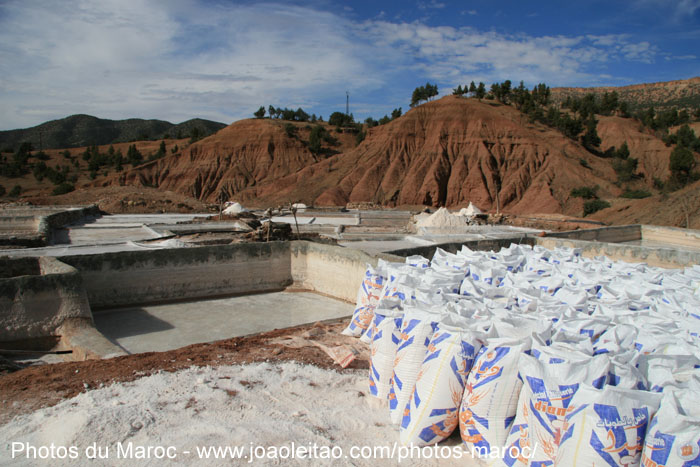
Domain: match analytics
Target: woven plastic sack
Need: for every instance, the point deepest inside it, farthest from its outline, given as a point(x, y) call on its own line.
point(673, 437)
point(545, 401)
point(367, 299)
point(574, 296)
point(559, 352)
point(487, 272)
point(445, 260)
point(470, 288)
point(417, 328)
point(446, 281)
point(491, 395)
point(384, 307)
point(607, 427)
point(588, 326)
point(385, 340)
point(432, 411)
point(624, 375)
point(418, 261)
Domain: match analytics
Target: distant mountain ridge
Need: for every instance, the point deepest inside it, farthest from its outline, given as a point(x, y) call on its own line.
point(662, 95)
point(86, 130)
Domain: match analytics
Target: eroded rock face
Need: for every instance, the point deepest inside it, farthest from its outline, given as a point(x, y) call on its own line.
point(239, 156)
point(446, 152)
point(450, 152)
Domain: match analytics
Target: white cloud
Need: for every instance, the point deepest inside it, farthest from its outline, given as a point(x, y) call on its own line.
point(680, 57)
point(180, 59)
point(679, 10)
point(170, 60)
point(434, 4)
point(452, 54)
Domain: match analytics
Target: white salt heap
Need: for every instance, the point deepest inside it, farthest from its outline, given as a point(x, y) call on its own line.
point(235, 208)
point(441, 218)
point(470, 211)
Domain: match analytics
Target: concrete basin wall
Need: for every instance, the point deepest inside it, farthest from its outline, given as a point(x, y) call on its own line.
point(331, 270)
point(494, 244)
point(138, 277)
point(15, 222)
point(661, 257)
point(614, 234)
point(35, 226)
point(672, 236)
point(38, 298)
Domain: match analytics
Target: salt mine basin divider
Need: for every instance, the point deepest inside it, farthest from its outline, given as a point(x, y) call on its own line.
point(133, 296)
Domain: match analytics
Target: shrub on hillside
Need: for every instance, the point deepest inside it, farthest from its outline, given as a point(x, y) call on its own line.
point(636, 194)
point(62, 189)
point(594, 205)
point(585, 192)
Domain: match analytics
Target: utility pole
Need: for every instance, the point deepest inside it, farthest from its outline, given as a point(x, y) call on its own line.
point(347, 103)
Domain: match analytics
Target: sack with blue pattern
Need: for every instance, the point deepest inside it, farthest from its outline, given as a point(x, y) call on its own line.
point(432, 410)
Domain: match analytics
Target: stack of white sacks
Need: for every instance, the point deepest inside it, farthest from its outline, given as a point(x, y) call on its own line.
point(564, 359)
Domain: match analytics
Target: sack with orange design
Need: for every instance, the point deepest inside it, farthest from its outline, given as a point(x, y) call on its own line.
point(367, 298)
point(432, 410)
point(607, 426)
point(418, 325)
point(491, 395)
point(545, 401)
point(673, 437)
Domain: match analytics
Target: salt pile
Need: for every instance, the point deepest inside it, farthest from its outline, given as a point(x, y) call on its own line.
point(470, 211)
point(537, 354)
point(441, 218)
point(234, 208)
point(260, 404)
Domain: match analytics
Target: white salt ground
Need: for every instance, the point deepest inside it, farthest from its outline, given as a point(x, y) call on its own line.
point(266, 404)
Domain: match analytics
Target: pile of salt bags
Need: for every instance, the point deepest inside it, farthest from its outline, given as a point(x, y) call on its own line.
point(527, 346)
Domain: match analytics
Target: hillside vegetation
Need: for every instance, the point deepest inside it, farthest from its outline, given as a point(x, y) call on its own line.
point(85, 130)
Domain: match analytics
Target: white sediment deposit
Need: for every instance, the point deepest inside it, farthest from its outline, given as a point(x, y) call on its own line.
point(441, 218)
point(268, 408)
point(234, 208)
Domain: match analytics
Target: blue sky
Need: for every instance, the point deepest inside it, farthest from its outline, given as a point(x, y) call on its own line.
point(221, 60)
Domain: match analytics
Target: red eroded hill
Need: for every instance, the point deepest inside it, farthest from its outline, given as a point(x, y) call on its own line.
point(239, 156)
point(449, 152)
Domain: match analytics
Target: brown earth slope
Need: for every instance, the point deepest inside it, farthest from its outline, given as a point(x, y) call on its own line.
point(449, 152)
point(239, 156)
point(651, 152)
point(446, 152)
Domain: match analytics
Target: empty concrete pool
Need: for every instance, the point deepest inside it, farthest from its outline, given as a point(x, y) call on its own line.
point(173, 325)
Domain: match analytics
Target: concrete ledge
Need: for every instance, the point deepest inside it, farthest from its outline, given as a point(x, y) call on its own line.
point(39, 297)
point(453, 247)
point(152, 276)
point(86, 342)
point(32, 226)
point(614, 234)
point(661, 257)
point(671, 236)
